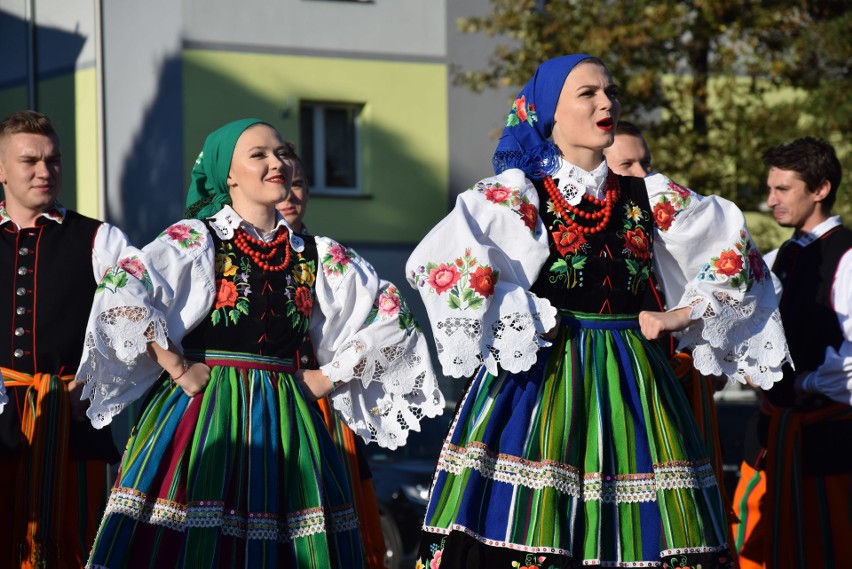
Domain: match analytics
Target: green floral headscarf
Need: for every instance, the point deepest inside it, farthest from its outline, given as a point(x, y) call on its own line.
point(208, 190)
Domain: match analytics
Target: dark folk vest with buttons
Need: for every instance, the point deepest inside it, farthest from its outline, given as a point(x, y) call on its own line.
point(46, 291)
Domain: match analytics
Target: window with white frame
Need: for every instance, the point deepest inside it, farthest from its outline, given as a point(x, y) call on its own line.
point(330, 146)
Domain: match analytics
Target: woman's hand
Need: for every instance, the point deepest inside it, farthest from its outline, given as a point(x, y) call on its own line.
point(655, 324)
point(194, 379)
point(314, 383)
point(191, 376)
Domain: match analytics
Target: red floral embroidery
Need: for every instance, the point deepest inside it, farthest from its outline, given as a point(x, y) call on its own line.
point(729, 263)
point(637, 242)
point(482, 281)
point(568, 241)
point(664, 213)
point(443, 277)
point(682, 192)
point(499, 194)
point(755, 261)
point(529, 214)
point(304, 301)
point(521, 106)
point(226, 293)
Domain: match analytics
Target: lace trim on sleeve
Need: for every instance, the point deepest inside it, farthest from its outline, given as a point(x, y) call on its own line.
point(112, 349)
point(512, 342)
point(397, 378)
point(736, 338)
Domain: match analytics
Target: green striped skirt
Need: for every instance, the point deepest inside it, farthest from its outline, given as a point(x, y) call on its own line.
point(243, 475)
point(592, 457)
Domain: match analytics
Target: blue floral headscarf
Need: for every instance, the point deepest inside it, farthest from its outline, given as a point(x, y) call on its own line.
point(525, 142)
point(208, 190)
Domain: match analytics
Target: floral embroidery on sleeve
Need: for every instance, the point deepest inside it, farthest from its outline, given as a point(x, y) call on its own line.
point(116, 277)
point(336, 260)
point(669, 205)
point(521, 113)
point(390, 304)
point(468, 283)
point(506, 196)
point(740, 265)
point(184, 235)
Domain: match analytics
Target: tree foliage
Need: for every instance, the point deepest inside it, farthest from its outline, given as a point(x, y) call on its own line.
point(713, 82)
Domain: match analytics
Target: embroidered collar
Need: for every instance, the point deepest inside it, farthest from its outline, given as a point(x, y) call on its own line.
point(55, 213)
point(226, 221)
point(573, 181)
point(807, 238)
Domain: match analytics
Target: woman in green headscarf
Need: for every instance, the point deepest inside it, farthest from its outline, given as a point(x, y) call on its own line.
point(229, 465)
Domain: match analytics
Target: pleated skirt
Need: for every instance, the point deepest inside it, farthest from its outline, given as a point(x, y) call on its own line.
point(590, 458)
point(243, 475)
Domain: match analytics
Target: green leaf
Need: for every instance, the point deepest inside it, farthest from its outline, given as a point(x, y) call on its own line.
point(215, 316)
point(560, 267)
point(291, 309)
point(468, 295)
point(243, 307)
point(512, 120)
point(578, 262)
point(234, 316)
point(476, 303)
point(453, 301)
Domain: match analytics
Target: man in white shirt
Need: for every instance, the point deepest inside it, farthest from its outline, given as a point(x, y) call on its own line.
point(52, 462)
point(793, 497)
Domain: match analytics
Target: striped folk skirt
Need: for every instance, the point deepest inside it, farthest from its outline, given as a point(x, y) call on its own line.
point(243, 475)
point(592, 457)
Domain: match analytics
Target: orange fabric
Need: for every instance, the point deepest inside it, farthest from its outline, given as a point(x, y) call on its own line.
point(792, 520)
point(749, 498)
point(44, 530)
point(363, 492)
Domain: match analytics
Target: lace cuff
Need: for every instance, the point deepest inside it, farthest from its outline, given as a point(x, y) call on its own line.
point(398, 379)
point(511, 342)
point(116, 339)
point(738, 338)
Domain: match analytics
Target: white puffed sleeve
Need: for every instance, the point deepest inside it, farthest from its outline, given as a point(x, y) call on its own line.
point(150, 295)
point(474, 270)
point(706, 259)
point(366, 340)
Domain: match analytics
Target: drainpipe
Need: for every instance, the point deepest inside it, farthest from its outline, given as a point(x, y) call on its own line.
point(29, 16)
point(100, 109)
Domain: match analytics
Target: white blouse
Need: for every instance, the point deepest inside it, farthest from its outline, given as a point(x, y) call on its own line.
point(359, 328)
point(475, 268)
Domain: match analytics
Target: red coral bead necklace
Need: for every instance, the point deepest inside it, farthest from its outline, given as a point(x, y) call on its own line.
point(261, 252)
point(562, 207)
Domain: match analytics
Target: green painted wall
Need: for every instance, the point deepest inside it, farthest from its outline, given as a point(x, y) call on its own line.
point(404, 135)
point(69, 100)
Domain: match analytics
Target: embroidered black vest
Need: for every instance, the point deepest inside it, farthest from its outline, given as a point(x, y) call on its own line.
point(255, 311)
point(605, 272)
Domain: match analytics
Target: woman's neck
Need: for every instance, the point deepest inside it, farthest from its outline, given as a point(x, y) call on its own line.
point(263, 218)
point(585, 158)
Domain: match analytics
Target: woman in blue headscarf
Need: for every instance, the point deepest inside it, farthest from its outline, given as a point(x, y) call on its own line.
point(574, 444)
point(229, 465)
